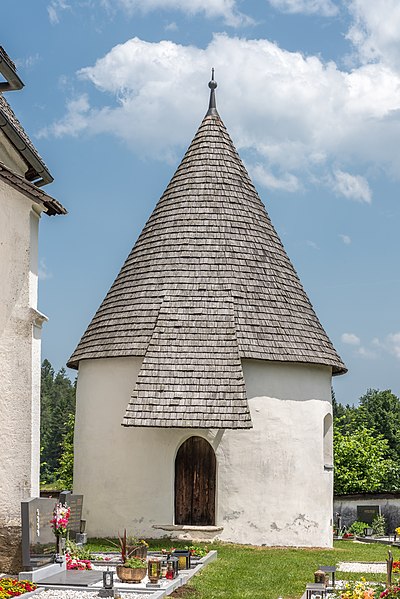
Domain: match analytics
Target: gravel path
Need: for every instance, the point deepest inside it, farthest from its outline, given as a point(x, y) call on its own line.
point(374, 568)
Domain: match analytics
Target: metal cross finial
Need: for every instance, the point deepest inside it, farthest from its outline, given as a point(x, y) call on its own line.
point(212, 108)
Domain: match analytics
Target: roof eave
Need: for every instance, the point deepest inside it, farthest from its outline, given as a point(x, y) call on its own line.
point(210, 426)
point(51, 205)
point(40, 171)
point(7, 69)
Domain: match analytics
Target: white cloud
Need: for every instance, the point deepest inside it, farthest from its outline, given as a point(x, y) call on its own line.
point(375, 31)
point(28, 62)
point(171, 26)
point(345, 238)
point(389, 345)
point(366, 353)
point(350, 339)
point(325, 8)
point(393, 344)
point(54, 9)
point(377, 347)
point(211, 9)
point(43, 272)
point(74, 121)
point(312, 244)
point(353, 187)
point(287, 182)
point(295, 115)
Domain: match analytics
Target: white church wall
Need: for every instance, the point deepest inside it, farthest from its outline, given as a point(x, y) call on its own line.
point(19, 352)
point(272, 487)
point(124, 473)
point(281, 492)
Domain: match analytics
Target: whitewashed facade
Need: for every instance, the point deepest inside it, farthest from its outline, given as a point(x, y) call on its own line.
point(21, 206)
point(273, 484)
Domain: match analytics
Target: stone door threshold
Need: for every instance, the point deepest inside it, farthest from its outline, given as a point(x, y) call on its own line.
point(187, 532)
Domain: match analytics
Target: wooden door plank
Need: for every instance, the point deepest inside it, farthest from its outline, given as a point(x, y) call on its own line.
point(195, 483)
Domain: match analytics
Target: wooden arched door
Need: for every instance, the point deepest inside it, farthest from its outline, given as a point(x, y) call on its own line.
point(195, 473)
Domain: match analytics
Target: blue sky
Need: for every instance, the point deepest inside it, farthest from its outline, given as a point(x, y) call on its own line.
point(310, 93)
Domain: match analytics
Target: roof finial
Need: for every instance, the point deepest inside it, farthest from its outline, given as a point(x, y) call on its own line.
point(212, 108)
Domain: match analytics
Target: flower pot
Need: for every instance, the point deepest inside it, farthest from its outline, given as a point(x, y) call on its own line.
point(60, 544)
point(140, 551)
point(131, 574)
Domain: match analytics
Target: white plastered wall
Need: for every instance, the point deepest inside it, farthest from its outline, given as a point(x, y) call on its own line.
point(272, 487)
point(19, 352)
point(281, 492)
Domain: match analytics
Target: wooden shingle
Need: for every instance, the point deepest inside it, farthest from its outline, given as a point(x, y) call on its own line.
point(207, 283)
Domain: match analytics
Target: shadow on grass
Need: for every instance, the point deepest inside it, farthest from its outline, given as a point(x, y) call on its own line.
point(186, 592)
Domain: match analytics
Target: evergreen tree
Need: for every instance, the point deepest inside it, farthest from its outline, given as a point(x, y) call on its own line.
point(380, 411)
point(66, 467)
point(57, 403)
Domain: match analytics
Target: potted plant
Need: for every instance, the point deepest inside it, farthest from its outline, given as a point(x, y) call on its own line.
point(197, 551)
point(131, 547)
point(133, 569)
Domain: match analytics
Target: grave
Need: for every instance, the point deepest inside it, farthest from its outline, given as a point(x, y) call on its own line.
point(75, 503)
point(78, 578)
point(368, 513)
point(38, 540)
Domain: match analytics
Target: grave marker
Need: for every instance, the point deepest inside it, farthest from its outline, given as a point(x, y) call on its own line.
point(38, 539)
point(368, 513)
point(75, 502)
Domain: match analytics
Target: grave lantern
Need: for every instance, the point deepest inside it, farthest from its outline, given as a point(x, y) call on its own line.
point(154, 569)
point(183, 558)
point(108, 579)
point(368, 531)
point(330, 572)
point(319, 576)
point(172, 567)
point(315, 590)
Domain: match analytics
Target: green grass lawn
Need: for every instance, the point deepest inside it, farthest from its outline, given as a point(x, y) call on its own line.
point(247, 572)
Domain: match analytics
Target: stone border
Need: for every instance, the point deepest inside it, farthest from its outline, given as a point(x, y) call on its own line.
point(43, 572)
point(382, 540)
point(167, 589)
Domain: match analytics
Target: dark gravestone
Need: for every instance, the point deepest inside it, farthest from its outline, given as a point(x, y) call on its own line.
point(368, 513)
point(63, 497)
point(75, 502)
point(38, 539)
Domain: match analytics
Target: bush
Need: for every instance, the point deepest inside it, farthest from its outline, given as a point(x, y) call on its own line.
point(379, 526)
point(357, 527)
point(78, 551)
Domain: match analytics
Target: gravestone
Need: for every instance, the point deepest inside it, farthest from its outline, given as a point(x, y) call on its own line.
point(38, 539)
point(79, 578)
point(75, 503)
point(368, 513)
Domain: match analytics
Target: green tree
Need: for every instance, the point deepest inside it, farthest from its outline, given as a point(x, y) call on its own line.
point(57, 403)
point(361, 461)
point(380, 411)
point(66, 462)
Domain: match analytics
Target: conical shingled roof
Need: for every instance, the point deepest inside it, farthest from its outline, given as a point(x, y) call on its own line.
point(207, 283)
